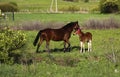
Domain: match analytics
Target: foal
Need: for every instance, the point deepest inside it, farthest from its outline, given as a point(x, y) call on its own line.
point(84, 37)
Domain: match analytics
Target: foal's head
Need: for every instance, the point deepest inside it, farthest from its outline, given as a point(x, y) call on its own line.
point(78, 31)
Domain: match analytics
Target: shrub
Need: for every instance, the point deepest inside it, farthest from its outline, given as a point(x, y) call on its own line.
point(10, 40)
point(109, 6)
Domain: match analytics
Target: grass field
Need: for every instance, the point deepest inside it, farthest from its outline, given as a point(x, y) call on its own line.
point(99, 63)
point(66, 17)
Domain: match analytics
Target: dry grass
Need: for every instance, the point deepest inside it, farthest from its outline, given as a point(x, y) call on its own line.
point(36, 25)
point(110, 23)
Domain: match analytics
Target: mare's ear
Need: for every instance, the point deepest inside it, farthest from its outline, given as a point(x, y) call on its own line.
point(77, 22)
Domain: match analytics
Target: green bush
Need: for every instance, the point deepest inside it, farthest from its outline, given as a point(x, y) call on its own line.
point(109, 6)
point(10, 40)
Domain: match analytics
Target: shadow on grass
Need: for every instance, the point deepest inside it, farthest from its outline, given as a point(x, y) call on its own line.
point(60, 49)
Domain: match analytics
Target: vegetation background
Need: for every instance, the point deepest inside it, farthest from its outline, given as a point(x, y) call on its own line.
point(34, 15)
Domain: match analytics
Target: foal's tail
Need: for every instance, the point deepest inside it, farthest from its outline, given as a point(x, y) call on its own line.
point(37, 38)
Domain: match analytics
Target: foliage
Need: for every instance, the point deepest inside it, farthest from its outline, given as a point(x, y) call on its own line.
point(109, 6)
point(8, 7)
point(10, 40)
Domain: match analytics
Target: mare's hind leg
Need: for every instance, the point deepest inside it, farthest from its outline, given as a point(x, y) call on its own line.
point(40, 42)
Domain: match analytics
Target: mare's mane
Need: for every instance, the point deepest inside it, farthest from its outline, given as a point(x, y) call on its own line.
point(68, 25)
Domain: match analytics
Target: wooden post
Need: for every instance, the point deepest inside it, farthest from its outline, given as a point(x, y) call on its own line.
point(13, 16)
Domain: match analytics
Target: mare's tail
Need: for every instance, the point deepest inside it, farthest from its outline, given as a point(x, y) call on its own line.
point(37, 38)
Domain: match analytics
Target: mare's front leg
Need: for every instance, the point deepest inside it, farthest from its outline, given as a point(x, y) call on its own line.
point(68, 45)
point(64, 46)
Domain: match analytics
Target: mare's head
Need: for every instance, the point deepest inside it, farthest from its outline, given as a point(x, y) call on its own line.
point(75, 25)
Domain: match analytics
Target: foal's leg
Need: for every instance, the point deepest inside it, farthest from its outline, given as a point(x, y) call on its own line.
point(81, 46)
point(90, 45)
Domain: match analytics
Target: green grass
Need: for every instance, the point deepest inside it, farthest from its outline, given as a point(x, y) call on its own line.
point(62, 17)
point(70, 64)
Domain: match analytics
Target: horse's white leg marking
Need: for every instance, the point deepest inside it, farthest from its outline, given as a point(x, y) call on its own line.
point(90, 45)
point(81, 46)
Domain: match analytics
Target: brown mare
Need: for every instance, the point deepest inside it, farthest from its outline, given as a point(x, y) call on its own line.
point(84, 37)
point(62, 34)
